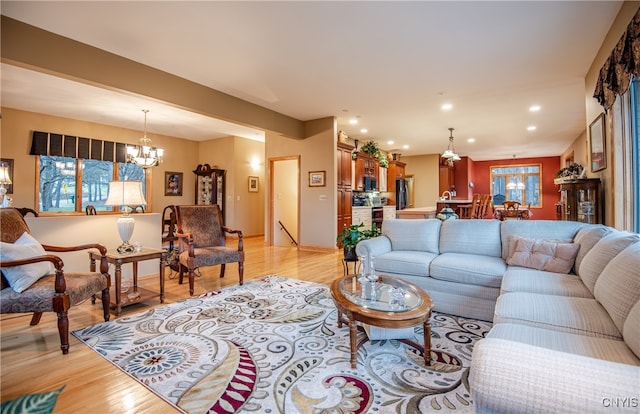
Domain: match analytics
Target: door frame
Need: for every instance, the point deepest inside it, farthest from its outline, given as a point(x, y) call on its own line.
point(271, 197)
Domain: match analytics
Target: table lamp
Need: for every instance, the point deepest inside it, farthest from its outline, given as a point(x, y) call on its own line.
point(125, 194)
point(4, 180)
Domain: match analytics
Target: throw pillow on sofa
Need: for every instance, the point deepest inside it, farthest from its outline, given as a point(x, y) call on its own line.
point(21, 277)
point(544, 255)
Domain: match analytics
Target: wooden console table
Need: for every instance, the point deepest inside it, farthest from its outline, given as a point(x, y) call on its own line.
point(134, 294)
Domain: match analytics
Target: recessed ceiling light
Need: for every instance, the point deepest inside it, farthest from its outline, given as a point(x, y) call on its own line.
point(390, 142)
point(534, 108)
point(471, 139)
point(531, 128)
point(405, 147)
point(446, 107)
point(364, 130)
point(353, 121)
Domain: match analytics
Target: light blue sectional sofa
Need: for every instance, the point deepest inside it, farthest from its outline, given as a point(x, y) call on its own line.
point(564, 298)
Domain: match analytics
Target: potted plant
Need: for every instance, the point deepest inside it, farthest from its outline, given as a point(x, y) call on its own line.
point(351, 235)
point(370, 148)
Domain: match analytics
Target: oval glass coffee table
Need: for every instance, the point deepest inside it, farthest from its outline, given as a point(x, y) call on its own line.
point(384, 311)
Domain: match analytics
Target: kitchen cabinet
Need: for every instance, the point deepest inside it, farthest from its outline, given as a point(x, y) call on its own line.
point(344, 189)
point(210, 186)
point(366, 168)
point(361, 215)
point(581, 200)
point(395, 171)
point(389, 212)
point(446, 178)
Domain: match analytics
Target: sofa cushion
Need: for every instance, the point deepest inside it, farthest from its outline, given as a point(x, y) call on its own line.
point(561, 231)
point(25, 247)
point(618, 287)
point(587, 237)
point(600, 348)
point(404, 262)
point(581, 316)
point(543, 255)
point(479, 237)
point(471, 269)
point(601, 254)
point(407, 234)
point(522, 279)
point(631, 330)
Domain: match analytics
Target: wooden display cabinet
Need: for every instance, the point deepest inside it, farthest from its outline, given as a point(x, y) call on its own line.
point(210, 186)
point(366, 167)
point(581, 200)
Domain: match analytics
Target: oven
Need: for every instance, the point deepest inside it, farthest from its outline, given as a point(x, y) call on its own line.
point(377, 215)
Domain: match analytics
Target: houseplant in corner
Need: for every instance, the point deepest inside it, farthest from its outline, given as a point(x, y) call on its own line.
point(351, 235)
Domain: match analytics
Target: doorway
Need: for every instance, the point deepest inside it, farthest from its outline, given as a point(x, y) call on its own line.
point(410, 194)
point(284, 201)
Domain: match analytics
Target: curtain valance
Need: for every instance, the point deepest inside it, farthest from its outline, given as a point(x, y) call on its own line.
point(48, 143)
point(622, 64)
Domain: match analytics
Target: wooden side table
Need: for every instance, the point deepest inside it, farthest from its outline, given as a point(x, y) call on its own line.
point(134, 294)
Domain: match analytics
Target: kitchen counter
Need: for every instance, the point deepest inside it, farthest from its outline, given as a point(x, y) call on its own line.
point(417, 213)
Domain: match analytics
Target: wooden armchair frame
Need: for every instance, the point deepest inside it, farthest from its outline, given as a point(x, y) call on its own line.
point(193, 255)
point(61, 301)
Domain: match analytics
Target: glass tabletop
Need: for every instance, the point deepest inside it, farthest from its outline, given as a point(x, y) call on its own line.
point(391, 295)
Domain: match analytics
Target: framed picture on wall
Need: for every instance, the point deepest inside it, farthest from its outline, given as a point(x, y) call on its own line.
point(253, 184)
point(597, 139)
point(317, 178)
point(172, 183)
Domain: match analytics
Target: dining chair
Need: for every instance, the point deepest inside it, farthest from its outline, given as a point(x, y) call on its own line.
point(30, 283)
point(483, 208)
point(470, 211)
point(511, 209)
point(202, 241)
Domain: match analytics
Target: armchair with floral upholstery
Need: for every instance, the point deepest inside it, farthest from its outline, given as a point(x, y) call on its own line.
point(33, 281)
point(201, 234)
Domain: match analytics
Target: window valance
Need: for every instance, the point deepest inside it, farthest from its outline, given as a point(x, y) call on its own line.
point(48, 143)
point(622, 64)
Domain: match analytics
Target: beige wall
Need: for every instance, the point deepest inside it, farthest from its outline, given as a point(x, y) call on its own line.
point(15, 143)
point(424, 169)
point(318, 205)
point(232, 154)
point(593, 109)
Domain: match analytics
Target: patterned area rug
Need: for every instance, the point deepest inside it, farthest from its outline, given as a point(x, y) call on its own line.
point(273, 346)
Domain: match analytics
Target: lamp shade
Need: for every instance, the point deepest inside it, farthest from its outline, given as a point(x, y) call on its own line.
point(4, 175)
point(125, 193)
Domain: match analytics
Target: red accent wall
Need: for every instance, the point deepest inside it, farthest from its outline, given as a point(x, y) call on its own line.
point(550, 196)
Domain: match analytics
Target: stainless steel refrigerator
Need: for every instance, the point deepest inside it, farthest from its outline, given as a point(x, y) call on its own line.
point(402, 195)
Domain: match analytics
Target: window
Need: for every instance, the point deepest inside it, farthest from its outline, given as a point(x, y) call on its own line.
point(68, 185)
point(519, 183)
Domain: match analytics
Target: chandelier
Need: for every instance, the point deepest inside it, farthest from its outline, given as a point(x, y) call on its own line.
point(144, 155)
point(450, 154)
point(516, 183)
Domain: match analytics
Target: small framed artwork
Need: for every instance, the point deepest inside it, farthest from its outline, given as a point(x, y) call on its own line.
point(172, 183)
point(597, 140)
point(317, 178)
point(8, 162)
point(253, 184)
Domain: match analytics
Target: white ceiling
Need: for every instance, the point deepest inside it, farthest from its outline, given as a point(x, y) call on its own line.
point(391, 64)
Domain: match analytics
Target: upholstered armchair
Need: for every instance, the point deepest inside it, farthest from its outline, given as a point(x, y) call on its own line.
point(201, 234)
point(33, 281)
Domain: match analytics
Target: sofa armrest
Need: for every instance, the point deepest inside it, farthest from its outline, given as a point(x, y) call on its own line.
point(552, 382)
point(376, 246)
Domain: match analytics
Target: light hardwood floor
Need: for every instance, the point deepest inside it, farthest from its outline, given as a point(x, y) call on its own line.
point(32, 362)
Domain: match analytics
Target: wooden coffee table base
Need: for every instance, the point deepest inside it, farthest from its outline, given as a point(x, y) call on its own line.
point(393, 320)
